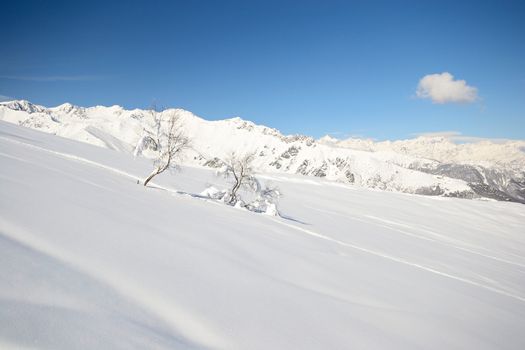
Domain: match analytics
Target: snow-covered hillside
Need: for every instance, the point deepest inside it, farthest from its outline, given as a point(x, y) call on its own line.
point(91, 260)
point(423, 166)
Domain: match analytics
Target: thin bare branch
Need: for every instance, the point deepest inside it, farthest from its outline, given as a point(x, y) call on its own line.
point(171, 143)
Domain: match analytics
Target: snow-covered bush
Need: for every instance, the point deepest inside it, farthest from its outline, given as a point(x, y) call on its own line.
point(214, 193)
point(265, 201)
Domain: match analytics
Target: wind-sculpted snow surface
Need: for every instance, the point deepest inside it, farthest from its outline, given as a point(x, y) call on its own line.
point(91, 260)
point(421, 166)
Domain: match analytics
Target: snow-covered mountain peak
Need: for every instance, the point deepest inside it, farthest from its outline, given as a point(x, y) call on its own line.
point(236, 120)
point(22, 105)
point(422, 165)
point(65, 107)
point(328, 140)
point(432, 140)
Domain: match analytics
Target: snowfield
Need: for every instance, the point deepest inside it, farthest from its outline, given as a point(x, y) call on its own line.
point(89, 259)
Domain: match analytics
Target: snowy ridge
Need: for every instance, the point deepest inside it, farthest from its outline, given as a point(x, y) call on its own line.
point(508, 154)
point(412, 166)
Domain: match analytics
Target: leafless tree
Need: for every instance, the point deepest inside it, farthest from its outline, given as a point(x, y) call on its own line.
point(170, 143)
point(239, 169)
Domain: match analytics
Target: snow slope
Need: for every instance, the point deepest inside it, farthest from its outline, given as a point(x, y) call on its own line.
point(90, 260)
point(495, 171)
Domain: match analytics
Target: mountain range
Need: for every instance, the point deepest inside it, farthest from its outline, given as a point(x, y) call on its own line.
point(423, 165)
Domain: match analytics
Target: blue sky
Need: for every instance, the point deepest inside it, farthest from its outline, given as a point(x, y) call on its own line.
point(313, 67)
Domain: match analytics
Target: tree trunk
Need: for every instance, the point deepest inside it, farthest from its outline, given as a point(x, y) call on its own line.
point(234, 191)
point(153, 174)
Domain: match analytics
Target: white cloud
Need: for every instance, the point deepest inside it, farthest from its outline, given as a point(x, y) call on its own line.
point(442, 88)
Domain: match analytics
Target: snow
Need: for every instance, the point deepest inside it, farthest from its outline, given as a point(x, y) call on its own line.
point(424, 165)
point(122, 130)
point(485, 152)
point(89, 259)
point(212, 192)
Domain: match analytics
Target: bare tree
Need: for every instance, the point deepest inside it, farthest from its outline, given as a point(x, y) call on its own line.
point(170, 143)
point(239, 169)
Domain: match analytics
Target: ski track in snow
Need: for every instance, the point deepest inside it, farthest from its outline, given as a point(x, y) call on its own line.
point(402, 261)
point(159, 307)
point(374, 220)
point(445, 240)
point(75, 158)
